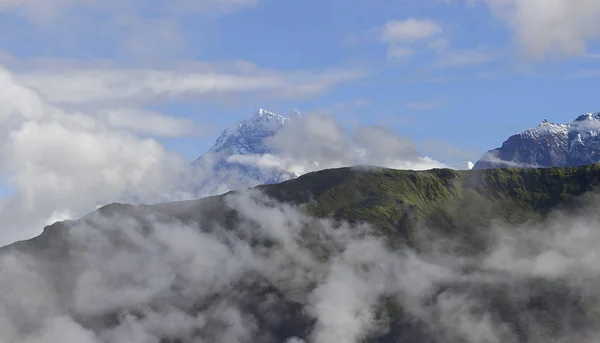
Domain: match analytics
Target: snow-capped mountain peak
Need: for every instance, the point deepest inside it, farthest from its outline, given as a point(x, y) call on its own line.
point(265, 119)
point(588, 117)
point(549, 145)
point(248, 136)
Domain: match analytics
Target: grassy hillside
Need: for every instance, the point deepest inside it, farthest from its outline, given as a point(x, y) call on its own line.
point(398, 202)
point(395, 201)
point(286, 275)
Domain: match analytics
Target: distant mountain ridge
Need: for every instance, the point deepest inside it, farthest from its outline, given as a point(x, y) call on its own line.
point(549, 145)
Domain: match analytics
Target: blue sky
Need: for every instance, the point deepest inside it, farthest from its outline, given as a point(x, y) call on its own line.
point(465, 77)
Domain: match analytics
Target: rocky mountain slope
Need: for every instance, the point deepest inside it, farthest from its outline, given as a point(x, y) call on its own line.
point(357, 254)
point(549, 145)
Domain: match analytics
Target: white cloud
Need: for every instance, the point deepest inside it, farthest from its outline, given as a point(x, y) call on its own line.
point(158, 278)
point(422, 105)
point(465, 58)
point(584, 74)
point(150, 123)
point(408, 38)
point(158, 268)
point(400, 52)
point(41, 11)
point(402, 35)
point(81, 86)
point(314, 142)
point(592, 56)
point(61, 162)
point(550, 26)
point(133, 30)
point(409, 30)
point(222, 6)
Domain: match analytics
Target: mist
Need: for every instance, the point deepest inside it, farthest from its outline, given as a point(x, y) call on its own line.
point(265, 272)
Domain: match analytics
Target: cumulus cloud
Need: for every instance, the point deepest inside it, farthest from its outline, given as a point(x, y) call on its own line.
point(541, 27)
point(316, 141)
point(62, 162)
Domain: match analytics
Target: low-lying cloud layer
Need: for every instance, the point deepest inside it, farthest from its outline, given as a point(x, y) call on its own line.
point(128, 275)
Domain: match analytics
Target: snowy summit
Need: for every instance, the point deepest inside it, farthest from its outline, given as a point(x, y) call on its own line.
point(549, 145)
point(246, 138)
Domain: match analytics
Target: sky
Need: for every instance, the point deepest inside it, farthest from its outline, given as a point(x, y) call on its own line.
point(461, 73)
point(112, 97)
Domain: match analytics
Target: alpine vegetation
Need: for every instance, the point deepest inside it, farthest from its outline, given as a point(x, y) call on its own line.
point(278, 264)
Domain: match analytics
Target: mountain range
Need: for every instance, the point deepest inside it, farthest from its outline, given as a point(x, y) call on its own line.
point(354, 254)
point(549, 145)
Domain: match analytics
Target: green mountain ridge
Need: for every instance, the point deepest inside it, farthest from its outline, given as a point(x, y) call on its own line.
point(385, 197)
point(400, 207)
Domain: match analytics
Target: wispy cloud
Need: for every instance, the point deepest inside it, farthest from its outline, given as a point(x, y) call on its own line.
point(446, 151)
point(150, 123)
point(42, 11)
point(409, 30)
point(422, 105)
point(465, 58)
point(109, 85)
point(138, 30)
point(400, 52)
point(222, 6)
point(403, 36)
point(407, 39)
point(584, 74)
point(593, 56)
